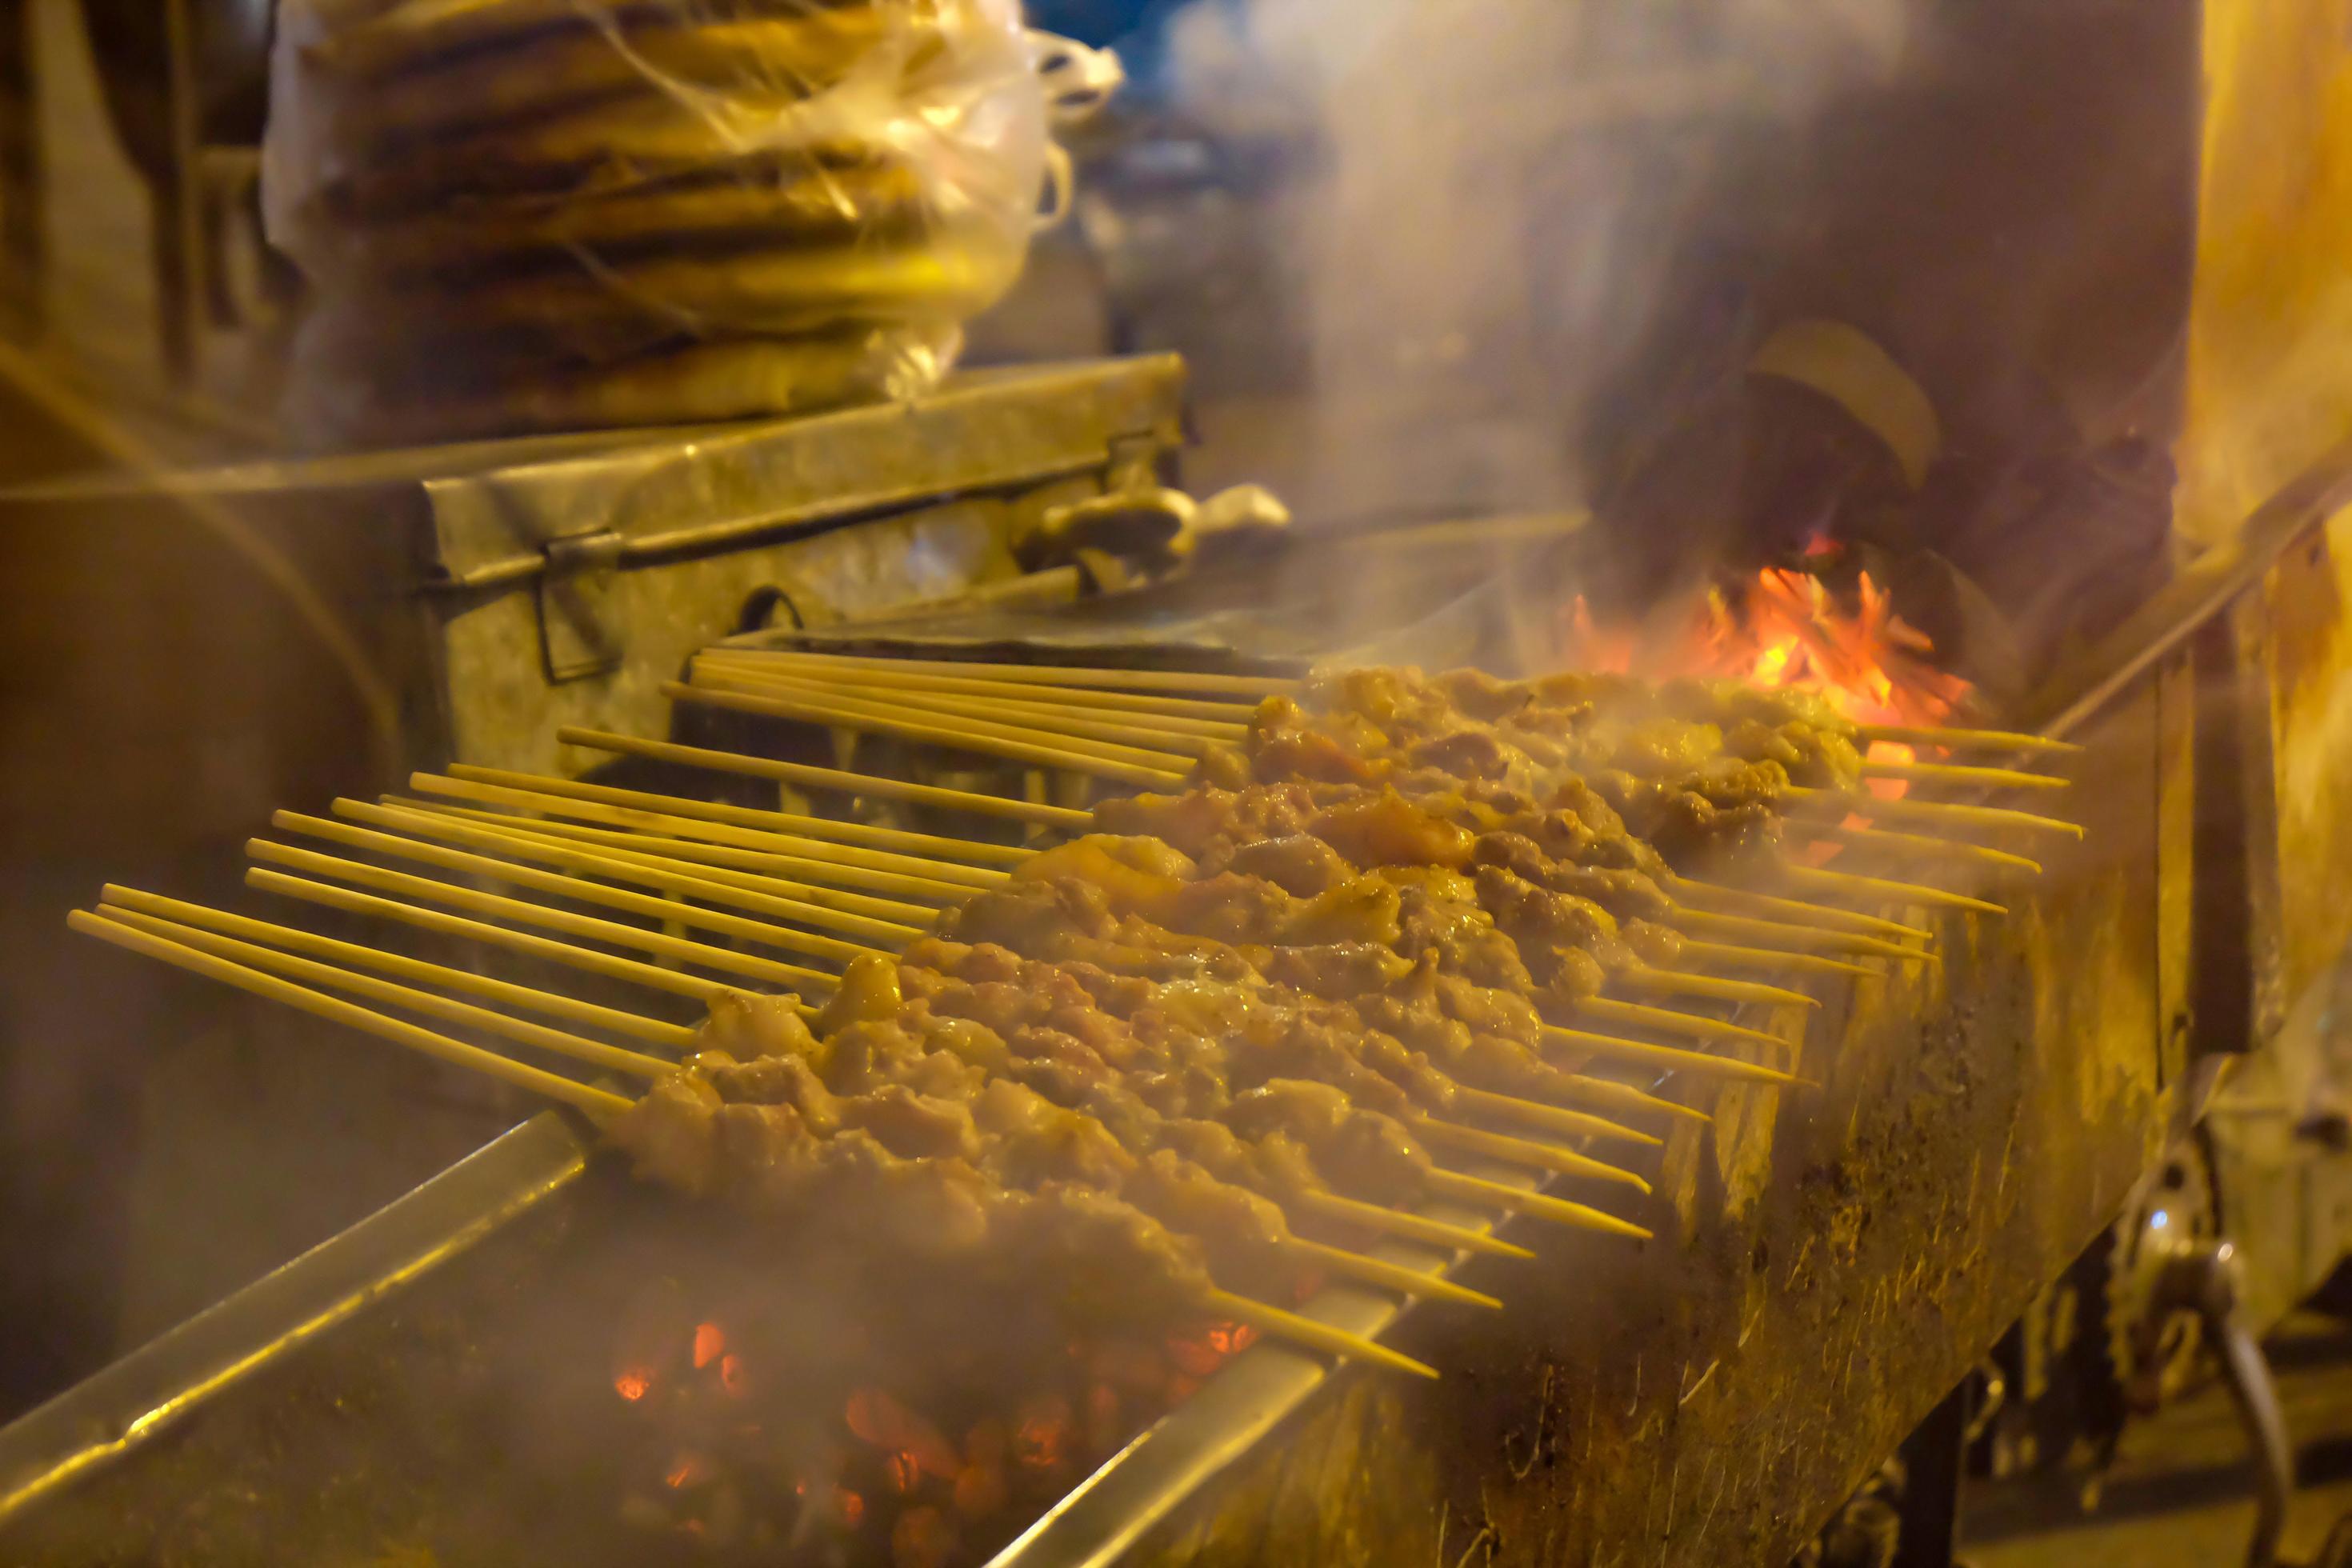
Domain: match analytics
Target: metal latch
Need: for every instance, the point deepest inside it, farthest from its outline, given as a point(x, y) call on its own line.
point(580, 624)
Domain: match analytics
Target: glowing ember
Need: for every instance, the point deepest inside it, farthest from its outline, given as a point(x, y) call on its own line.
point(849, 1507)
point(710, 1343)
point(1041, 1433)
point(634, 1383)
point(1231, 1339)
point(686, 1470)
point(904, 1474)
point(732, 1376)
point(1199, 1354)
point(877, 1418)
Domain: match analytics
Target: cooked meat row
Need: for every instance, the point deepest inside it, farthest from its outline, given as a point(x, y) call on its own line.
point(1117, 1069)
point(1691, 769)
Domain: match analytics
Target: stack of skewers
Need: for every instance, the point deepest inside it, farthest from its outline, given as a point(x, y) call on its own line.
point(1171, 1056)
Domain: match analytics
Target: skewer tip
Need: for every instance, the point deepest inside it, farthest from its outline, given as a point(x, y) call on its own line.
point(1304, 1330)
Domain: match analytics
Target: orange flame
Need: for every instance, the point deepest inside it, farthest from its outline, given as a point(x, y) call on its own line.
point(1787, 630)
point(710, 1343)
point(634, 1383)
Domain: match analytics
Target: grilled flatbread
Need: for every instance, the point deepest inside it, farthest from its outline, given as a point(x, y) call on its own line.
point(953, 275)
point(753, 205)
point(585, 67)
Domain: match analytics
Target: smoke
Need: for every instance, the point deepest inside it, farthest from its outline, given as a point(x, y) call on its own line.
point(1502, 197)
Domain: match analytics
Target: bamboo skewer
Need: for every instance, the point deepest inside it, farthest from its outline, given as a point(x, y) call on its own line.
point(1148, 731)
point(1962, 739)
point(1036, 748)
point(1537, 1205)
point(888, 917)
point(1736, 957)
point(764, 868)
point(891, 713)
point(1960, 773)
point(1610, 1095)
point(1249, 686)
point(1033, 693)
point(833, 779)
point(386, 993)
point(1553, 1118)
point(1925, 845)
point(1388, 1276)
point(1674, 1056)
point(675, 981)
point(1519, 1151)
point(789, 976)
point(1767, 934)
point(1664, 1021)
point(600, 1102)
point(1396, 1221)
point(1847, 885)
point(1306, 1331)
point(1162, 731)
point(210, 930)
point(596, 1101)
point(1826, 916)
point(1080, 821)
point(682, 815)
point(1679, 983)
point(1903, 808)
point(578, 889)
point(652, 1031)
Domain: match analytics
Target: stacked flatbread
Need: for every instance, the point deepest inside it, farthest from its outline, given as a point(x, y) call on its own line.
point(545, 213)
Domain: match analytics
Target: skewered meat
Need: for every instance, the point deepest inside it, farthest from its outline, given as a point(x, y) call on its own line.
point(1696, 768)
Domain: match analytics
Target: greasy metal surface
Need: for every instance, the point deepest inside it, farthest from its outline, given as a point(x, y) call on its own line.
point(2303, 604)
point(211, 1358)
point(2200, 591)
point(1438, 595)
point(985, 430)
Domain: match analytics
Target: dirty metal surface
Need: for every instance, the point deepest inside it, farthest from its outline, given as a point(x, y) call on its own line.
point(494, 590)
point(1840, 1260)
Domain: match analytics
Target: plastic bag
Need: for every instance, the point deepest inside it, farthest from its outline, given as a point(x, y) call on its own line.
point(527, 215)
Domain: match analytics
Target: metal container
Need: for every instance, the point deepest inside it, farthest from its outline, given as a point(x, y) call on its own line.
point(498, 589)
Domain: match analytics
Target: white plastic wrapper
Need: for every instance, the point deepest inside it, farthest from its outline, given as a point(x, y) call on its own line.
point(528, 215)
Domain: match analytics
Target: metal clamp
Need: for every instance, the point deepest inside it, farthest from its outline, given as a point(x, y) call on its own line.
point(580, 630)
point(2201, 1279)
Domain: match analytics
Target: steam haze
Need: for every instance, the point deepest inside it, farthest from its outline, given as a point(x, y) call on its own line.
point(1501, 195)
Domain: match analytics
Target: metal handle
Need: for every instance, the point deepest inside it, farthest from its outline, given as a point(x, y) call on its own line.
point(2202, 1278)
